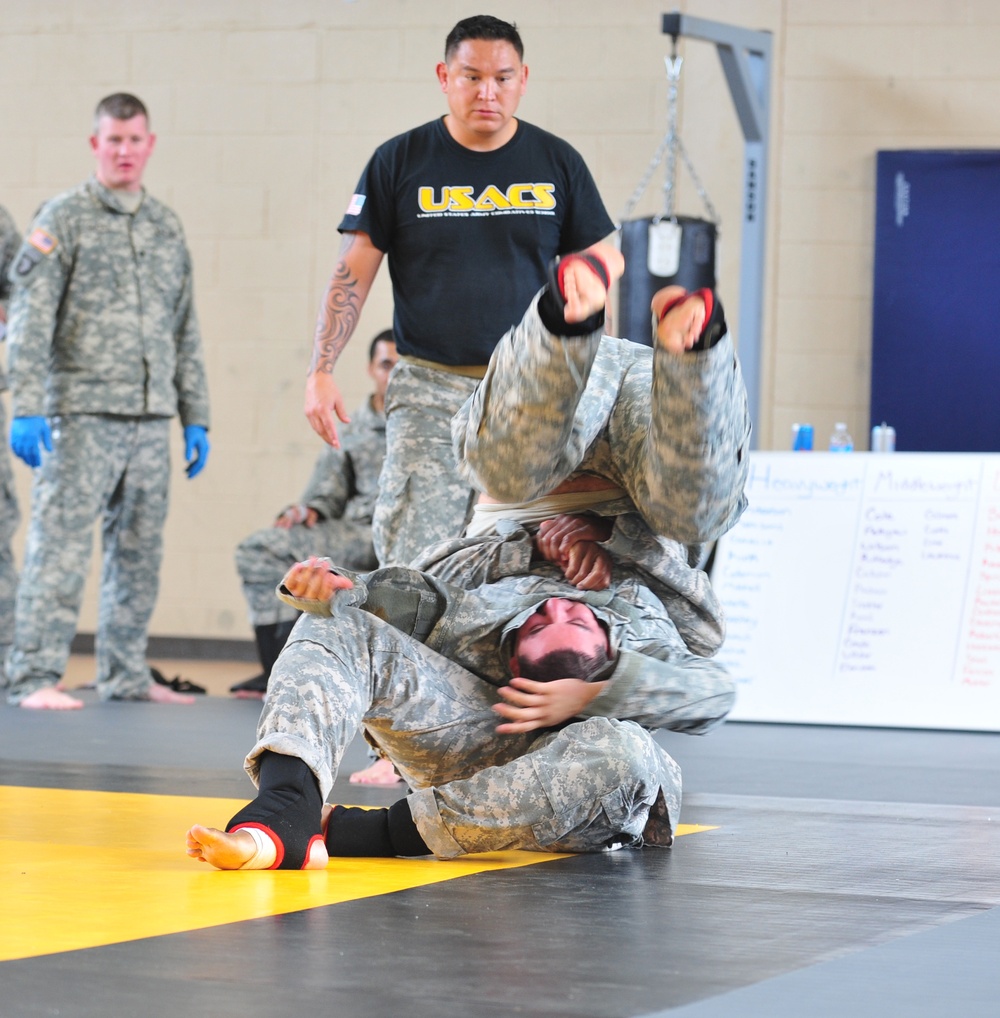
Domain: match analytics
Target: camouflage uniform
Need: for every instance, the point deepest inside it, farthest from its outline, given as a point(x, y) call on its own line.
point(10, 516)
point(417, 663)
point(422, 499)
point(342, 489)
point(659, 564)
point(672, 431)
point(105, 343)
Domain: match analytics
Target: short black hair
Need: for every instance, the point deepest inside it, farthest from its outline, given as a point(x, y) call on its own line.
point(120, 106)
point(385, 336)
point(483, 26)
point(565, 664)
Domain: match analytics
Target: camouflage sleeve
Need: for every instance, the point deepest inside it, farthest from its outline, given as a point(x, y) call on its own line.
point(39, 276)
point(331, 483)
point(662, 566)
point(405, 598)
point(677, 691)
point(10, 241)
point(470, 562)
point(189, 379)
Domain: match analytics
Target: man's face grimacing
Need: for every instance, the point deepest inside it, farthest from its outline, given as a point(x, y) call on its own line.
point(122, 148)
point(562, 635)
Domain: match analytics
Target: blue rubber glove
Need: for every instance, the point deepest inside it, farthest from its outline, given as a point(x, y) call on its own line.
point(26, 434)
point(195, 449)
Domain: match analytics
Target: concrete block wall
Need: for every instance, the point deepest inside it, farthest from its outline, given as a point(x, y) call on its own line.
point(266, 112)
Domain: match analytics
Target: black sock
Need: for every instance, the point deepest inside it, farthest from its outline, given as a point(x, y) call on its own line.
point(288, 803)
point(374, 832)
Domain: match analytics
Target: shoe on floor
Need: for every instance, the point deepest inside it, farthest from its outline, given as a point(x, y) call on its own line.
point(177, 684)
point(253, 688)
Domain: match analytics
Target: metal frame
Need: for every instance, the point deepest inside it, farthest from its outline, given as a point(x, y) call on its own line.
point(746, 62)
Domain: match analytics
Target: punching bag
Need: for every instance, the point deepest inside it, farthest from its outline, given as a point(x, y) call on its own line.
point(659, 252)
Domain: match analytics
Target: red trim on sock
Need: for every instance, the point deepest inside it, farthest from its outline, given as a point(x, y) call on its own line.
point(279, 845)
point(706, 295)
point(571, 258)
point(709, 298)
point(670, 305)
point(312, 841)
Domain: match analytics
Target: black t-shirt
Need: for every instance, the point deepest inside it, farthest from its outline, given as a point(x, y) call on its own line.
point(469, 234)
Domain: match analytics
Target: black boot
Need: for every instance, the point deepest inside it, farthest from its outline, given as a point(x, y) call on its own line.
point(270, 641)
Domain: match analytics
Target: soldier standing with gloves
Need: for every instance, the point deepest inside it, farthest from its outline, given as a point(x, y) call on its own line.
point(104, 351)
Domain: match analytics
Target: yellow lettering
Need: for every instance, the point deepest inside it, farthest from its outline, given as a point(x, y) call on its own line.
point(546, 199)
point(425, 199)
point(491, 198)
point(521, 196)
point(461, 199)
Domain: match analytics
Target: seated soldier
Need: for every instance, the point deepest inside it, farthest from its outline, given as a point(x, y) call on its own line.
point(332, 518)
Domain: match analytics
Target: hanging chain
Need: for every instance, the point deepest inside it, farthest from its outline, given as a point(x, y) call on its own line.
point(650, 170)
point(713, 215)
point(673, 145)
point(673, 64)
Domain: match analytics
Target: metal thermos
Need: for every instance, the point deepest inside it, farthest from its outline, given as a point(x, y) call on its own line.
point(883, 438)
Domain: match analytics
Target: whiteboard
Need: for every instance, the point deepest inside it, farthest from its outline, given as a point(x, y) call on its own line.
point(864, 589)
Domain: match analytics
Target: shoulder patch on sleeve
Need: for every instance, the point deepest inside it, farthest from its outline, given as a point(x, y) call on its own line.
point(42, 241)
point(27, 260)
point(355, 205)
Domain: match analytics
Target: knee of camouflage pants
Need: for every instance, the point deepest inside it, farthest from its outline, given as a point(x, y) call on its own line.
point(630, 777)
point(590, 785)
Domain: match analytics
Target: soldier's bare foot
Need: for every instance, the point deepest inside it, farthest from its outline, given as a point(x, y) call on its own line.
point(164, 694)
point(222, 850)
point(382, 772)
point(50, 698)
point(680, 327)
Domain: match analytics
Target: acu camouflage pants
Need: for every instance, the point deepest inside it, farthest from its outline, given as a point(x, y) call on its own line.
point(116, 469)
point(583, 788)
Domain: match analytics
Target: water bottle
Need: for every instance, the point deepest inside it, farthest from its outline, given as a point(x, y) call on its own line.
point(840, 440)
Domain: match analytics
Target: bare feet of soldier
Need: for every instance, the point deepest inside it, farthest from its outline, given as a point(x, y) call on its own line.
point(381, 772)
point(227, 851)
point(582, 289)
point(50, 698)
point(682, 324)
point(164, 694)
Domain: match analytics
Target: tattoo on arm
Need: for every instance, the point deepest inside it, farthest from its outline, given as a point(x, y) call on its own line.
point(338, 316)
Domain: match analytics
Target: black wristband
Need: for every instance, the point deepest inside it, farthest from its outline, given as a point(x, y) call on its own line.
point(715, 328)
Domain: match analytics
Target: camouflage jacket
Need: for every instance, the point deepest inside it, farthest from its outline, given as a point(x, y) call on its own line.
point(10, 240)
point(663, 567)
point(344, 482)
point(655, 680)
point(102, 316)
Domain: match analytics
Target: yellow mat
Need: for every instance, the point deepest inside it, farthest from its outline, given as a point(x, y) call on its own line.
point(85, 869)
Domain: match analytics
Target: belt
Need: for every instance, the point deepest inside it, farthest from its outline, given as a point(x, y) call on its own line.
point(466, 370)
